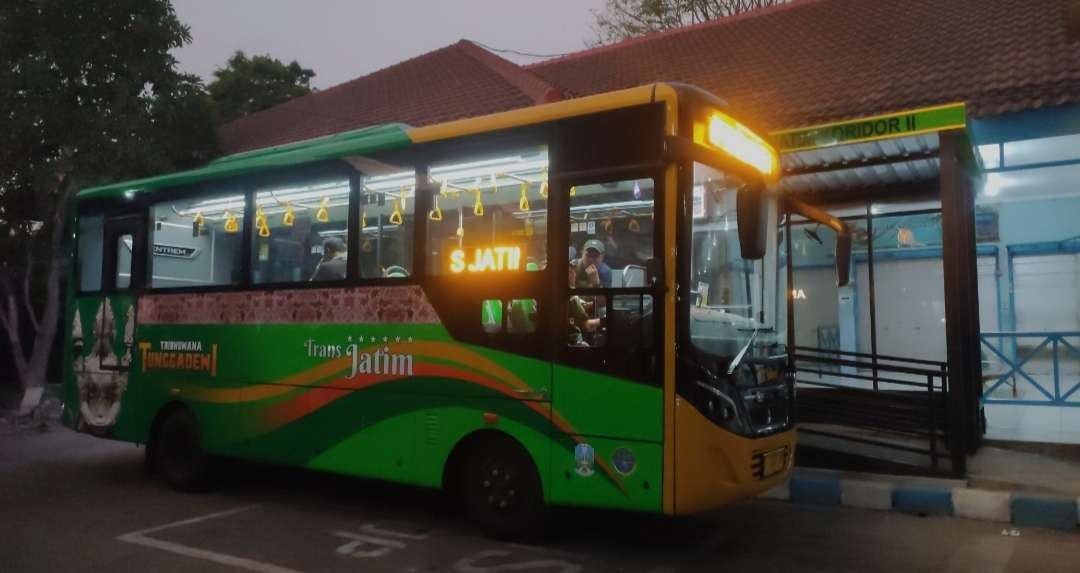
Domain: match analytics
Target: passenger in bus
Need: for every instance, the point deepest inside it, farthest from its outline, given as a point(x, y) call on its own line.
point(578, 320)
point(590, 270)
point(334, 263)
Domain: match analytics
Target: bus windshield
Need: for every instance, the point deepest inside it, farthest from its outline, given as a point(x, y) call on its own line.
point(734, 301)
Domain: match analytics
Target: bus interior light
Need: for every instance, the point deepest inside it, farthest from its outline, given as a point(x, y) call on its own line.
point(741, 143)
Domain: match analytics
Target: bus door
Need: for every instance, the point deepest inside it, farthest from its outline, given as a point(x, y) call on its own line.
point(103, 330)
point(608, 377)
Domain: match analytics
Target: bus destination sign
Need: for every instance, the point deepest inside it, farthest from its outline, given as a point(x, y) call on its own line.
point(901, 124)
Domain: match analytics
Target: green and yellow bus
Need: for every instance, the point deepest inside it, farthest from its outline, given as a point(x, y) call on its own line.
point(574, 304)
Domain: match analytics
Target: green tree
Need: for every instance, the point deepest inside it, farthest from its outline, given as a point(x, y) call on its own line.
point(623, 19)
point(247, 85)
point(88, 94)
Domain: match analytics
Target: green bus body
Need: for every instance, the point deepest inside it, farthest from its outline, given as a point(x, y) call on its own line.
point(374, 378)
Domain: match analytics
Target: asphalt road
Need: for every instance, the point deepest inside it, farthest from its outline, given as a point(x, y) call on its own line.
point(75, 503)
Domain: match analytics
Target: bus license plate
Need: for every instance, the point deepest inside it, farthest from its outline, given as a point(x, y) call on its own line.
point(774, 461)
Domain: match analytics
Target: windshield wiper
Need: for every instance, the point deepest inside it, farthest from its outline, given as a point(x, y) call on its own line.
point(742, 354)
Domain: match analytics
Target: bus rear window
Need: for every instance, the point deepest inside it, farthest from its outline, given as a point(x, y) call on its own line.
point(489, 214)
point(197, 242)
point(91, 239)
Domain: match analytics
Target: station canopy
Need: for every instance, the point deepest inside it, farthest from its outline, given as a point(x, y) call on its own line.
point(872, 152)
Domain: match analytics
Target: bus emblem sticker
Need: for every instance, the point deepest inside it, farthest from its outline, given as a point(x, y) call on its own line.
point(624, 461)
point(585, 457)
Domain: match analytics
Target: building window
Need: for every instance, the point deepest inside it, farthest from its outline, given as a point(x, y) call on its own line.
point(300, 232)
point(489, 214)
point(197, 242)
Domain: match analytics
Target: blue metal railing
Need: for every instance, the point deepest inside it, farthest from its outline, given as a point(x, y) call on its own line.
point(1014, 373)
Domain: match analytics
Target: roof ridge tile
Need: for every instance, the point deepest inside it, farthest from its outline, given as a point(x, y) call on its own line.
point(651, 36)
point(532, 85)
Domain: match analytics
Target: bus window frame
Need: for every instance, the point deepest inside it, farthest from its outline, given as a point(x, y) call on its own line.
point(77, 263)
point(249, 185)
point(126, 222)
point(255, 185)
point(537, 283)
point(565, 354)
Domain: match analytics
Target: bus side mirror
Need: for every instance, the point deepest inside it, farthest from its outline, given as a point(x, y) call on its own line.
point(843, 258)
point(752, 215)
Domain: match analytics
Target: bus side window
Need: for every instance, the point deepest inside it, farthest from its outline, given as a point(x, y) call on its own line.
point(301, 232)
point(385, 211)
point(197, 242)
point(489, 214)
point(124, 245)
point(91, 252)
point(517, 316)
point(611, 233)
point(586, 321)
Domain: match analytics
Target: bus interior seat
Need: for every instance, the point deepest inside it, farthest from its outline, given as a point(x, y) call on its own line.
point(633, 276)
point(616, 277)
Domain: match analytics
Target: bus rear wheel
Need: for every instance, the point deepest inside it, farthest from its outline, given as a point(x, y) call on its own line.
point(503, 493)
point(177, 454)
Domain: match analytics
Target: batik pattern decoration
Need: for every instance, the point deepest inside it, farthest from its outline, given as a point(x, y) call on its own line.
point(356, 305)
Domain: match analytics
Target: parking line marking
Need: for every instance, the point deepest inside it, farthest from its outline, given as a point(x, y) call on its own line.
point(140, 538)
point(189, 521)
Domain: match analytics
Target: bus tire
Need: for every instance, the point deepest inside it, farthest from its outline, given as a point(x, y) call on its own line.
point(502, 491)
point(177, 454)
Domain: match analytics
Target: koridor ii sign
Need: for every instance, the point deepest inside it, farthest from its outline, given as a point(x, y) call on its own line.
point(901, 124)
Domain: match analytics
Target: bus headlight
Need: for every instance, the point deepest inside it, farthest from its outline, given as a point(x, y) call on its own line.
point(738, 141)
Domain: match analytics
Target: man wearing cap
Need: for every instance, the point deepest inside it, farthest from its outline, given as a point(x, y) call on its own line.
point(590, 268)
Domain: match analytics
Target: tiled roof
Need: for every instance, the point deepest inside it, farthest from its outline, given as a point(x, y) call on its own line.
point(801, 63)
point(813, 61)
point(460, 80)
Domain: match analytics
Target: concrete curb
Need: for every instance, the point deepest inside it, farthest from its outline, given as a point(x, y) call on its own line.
point(919, 496)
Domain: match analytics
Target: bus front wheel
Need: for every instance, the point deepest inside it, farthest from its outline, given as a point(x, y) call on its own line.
point(177, 452)
point(502, 491)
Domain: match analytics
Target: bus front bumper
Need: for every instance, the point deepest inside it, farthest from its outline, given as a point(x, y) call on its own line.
point(715, 467)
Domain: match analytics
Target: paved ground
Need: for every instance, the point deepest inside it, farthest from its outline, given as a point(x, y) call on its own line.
point(74, 503)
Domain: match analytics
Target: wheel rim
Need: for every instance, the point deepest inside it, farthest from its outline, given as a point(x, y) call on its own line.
point(500, 487)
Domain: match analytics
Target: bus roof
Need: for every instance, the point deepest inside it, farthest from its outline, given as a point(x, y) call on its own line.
point(380, 138)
